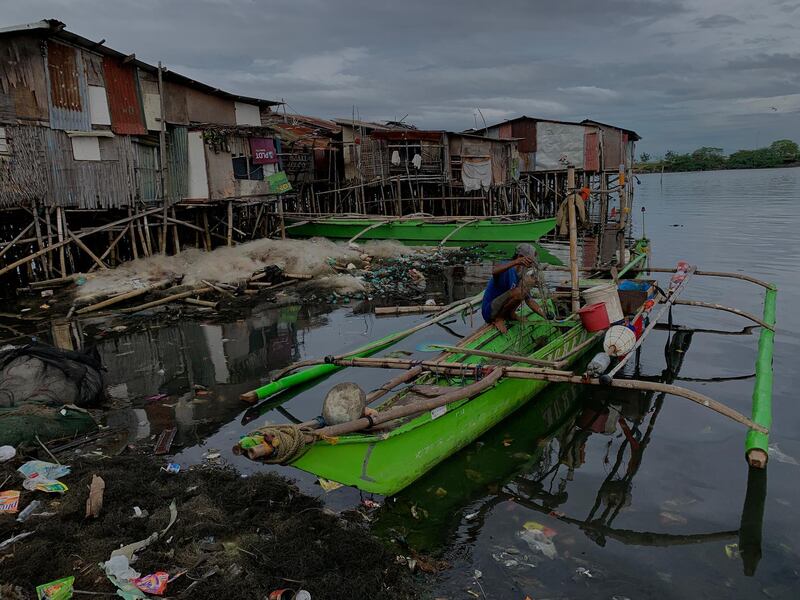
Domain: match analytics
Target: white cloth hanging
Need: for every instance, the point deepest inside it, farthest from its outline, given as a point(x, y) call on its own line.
point(395, 158)
point(416, 161)
point(476, 173)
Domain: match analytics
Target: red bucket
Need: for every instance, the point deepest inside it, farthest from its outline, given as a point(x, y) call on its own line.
point(594, 317)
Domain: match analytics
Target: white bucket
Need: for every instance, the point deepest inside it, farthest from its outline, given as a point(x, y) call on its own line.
point(608, 295)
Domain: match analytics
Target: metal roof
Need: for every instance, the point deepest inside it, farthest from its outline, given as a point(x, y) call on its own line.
point(56, 29)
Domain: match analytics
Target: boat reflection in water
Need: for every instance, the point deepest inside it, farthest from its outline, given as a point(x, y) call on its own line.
point(549, 438)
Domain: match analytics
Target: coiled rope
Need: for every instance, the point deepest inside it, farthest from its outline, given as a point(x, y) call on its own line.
point(288, 442)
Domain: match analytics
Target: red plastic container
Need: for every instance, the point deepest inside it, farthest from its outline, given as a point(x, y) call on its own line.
point(594, 317)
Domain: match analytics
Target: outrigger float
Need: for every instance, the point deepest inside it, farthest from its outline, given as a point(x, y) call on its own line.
point(447, 402)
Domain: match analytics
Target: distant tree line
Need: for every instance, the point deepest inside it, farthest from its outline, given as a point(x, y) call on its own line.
point(778, 154)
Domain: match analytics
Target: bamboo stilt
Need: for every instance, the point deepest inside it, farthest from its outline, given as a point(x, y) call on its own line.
point(60, 229)
point(86, 249)
point(230, 223)
point(573, 241)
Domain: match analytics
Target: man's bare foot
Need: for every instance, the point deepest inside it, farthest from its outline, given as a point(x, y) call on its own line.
point(501, 325)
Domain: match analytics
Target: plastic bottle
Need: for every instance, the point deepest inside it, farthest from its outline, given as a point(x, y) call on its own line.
point(28, 511)
point(598, 364)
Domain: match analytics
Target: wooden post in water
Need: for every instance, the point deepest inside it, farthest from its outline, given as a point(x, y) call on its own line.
point(60, 229)
point(573, 239)
point(162, 151)
point(623, 212)
point(230, 223)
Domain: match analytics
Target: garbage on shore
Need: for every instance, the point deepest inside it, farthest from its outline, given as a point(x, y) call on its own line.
point(203, 533)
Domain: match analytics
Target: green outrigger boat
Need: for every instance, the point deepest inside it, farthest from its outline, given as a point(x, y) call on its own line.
point(422, 230)
point(451, 400)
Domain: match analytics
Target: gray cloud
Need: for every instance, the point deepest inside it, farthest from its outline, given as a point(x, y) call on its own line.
point(681, 76)
point(718, 21)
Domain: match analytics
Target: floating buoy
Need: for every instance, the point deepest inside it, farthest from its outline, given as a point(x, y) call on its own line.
point(619, 340)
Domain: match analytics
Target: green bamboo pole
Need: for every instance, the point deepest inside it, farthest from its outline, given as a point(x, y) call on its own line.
point(320, 370)
point(756, 443)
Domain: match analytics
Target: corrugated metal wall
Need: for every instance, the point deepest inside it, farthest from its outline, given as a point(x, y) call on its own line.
point(148, 175)
point(90, 184)
point(69, 98)
point(178, 163)
point(123, 98)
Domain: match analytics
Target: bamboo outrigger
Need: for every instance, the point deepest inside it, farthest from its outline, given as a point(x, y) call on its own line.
point(451, 400)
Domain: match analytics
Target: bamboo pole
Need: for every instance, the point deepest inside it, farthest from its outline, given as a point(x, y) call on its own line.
point(39, 240)
point(729, 309)
point(132, 231)
point(206, 230)
point(162, 145)
point(573, 241)
point(458, 228)
point(120, 298)
point(742, 276)
point(405, 411)
point(176, 238)
point(61, 243)
point(49, 240)
point(230, 224)
point(86, 249)
point(17, 238)
point(402, 310)
point(198, 302)
point(320, 367)
point(664, 307)
point(623, 215)
point(147, 238)
point(514, 358)
point(555, 376)
point(167, 299)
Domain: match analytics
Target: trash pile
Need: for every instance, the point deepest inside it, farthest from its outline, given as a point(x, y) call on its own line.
point(124, 527)
point(404, 278)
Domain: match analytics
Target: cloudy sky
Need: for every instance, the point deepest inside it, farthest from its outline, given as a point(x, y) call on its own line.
point(681, 73)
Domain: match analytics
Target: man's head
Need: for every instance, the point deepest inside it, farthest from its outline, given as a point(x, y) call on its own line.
point(525, 250)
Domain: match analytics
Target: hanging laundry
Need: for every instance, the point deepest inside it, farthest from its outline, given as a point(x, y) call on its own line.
point(395, 158)
point(476, 173)
point(416, 161)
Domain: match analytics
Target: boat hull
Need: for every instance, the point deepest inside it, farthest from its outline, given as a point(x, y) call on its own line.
point(387, 463)
point(421, 232)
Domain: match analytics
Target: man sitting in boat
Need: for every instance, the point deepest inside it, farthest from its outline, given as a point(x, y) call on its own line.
point(507, 289)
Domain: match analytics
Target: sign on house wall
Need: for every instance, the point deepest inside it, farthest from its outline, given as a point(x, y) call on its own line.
point(263, 151)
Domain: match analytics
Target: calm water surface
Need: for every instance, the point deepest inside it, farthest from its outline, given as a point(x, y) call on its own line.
point(640, 496)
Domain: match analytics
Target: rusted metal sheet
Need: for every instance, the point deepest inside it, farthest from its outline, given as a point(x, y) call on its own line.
point(591, 151)
point(25, 177)
point(178, 163)
point(69, 102)
point(23, 81)
point(205, 108)
point(413, 135)
point(505, 131)
point(612, 154)
point(123, 97)
point(525, 130)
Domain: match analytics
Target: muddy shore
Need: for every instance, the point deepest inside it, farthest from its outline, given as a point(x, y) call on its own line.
point(234, 537)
